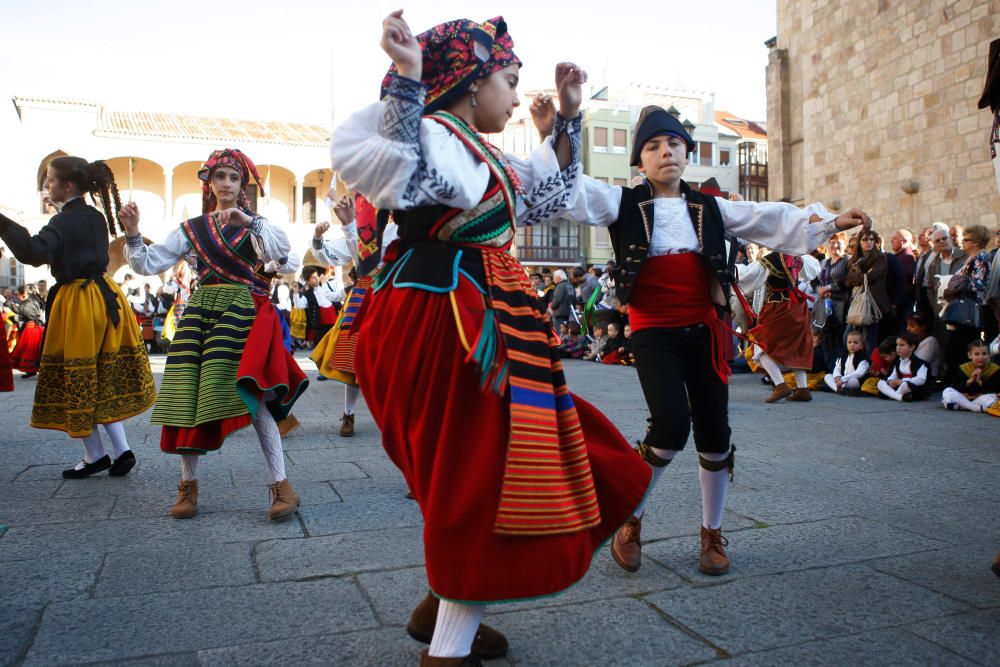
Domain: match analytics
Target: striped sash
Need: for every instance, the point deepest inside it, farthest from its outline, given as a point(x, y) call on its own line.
point(223, 253)
point(548, 487)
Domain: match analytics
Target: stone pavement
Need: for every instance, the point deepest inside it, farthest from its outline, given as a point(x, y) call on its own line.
point(861, 532)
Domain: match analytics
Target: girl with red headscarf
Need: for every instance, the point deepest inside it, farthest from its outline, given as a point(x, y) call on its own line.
point(227, 366)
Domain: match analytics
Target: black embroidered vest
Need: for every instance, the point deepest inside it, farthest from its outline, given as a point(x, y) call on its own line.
point(632, 231)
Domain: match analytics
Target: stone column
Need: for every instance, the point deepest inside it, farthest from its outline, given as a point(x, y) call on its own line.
point(168, 195)
point(297, 205)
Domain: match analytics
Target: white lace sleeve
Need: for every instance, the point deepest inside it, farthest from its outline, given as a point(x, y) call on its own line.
point(152, 259)
point(549, 191)
point(400, 161)
point(270, 240)
point(778, 226)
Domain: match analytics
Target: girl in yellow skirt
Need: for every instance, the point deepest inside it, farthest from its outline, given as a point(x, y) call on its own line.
point(94, 368)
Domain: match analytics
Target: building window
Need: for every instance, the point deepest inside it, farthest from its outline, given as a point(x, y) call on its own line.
point(723, 157)
point(600, 139)
point(705, 154)
point(619, 142)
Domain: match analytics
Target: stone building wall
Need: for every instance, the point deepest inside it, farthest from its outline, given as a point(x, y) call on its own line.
point(872, 103)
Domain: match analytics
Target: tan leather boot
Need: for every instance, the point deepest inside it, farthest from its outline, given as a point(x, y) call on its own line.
point(626, 546)
point(427, 660)
point(284, 500)
point(287, 425)
point(488, 644)
point(780, 391)
point(186, 505)
point(713, 554)
point(347, 426)
point(801, 395)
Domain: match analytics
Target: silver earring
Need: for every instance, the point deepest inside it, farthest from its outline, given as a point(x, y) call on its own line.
point(473, 100)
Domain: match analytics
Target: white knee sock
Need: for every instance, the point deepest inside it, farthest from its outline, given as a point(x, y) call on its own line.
point(270, 443)
point(189, 467)
point(772, 368)
point(894, 394)
point(828, 379)
point(350, 398)
point(456, 628)
point(116, 431)
point(985, 401)
point(658, 471)
point(93, 448)
point(800, 379)
point(714, 488)
point(853, 384)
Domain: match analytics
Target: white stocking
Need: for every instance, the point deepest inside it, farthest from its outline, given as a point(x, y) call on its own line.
point(456, 628)
point(772, 368)
point(350, 398)
point(800, 379)
point(714, 488)
point(189, 467)
point(116, 431)
point(270, 443)
point(658, 471)
point(93, 448)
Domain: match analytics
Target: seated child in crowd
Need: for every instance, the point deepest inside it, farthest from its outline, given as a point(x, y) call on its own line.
point(573, 345)
point(613, 346)
point(879, 366)
point(929, 350)
point(910, 379)
point(851, 368)
point(976, 383)
point(599, 338)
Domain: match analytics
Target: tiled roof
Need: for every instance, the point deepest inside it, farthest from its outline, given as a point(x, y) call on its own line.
point(203, 128)
point(747, 129)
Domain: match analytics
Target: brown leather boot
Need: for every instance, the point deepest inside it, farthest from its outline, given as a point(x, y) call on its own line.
point(186, 505)
point(801, 395)
point(780, 391)
point(713, 554)
point(347, 426)
point(488, 644)
point(284, 500)
point(626, 546)
point(427, 660)
point(287, 425)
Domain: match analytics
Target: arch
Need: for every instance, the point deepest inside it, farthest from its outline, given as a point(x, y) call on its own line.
point(277, 202)
point(43, 167)
point(186, 190)
point(141, 180)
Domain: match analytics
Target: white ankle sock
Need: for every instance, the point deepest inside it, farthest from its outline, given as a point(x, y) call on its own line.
point(714, 487)
point(800, 379)
point(772, 368)
point(456, 628)
point(93, 448)
point(658, 471)
point(116, 431)
point(189, 467)
point(270, 443)
point(350, 399)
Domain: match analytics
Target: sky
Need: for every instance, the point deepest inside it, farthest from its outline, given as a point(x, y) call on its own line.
point(310, 61)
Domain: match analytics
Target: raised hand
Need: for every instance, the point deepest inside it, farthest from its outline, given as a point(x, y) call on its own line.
point(569, 83)
point(852, 218)
point(129, 216)
point(321, 228)
point(543, 114)
point(400, 44)
point(344, 209)
point(232, 216)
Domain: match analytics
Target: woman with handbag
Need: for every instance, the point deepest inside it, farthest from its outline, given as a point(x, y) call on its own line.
point(966, 296)
point(866, 273)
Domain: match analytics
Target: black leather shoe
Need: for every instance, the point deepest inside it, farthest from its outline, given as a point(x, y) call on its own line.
point(88, 469)
point(122, 464)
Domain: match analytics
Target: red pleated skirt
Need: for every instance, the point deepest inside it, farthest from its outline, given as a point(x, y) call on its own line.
point(6, 367)
point(449, 438)
point(28, 352)
point(783, 331)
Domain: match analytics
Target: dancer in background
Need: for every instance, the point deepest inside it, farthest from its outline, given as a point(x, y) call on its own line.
point(227, 366)
point(94, 368)
point(28, 353)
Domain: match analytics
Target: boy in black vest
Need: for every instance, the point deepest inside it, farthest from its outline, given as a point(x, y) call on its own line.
point(674, 270)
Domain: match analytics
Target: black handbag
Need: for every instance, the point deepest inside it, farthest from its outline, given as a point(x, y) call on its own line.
point(963, 311)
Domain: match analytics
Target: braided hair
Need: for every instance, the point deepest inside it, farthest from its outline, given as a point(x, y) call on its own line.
point(97, 180)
